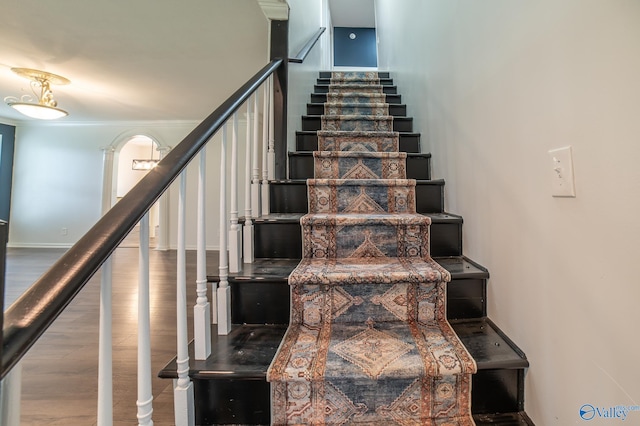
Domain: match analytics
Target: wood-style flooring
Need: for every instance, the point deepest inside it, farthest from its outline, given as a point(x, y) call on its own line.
point(60, 372)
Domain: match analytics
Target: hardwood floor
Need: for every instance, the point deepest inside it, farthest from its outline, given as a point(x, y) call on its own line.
point(60, 372)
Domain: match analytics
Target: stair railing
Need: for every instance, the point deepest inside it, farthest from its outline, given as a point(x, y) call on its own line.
point(30, 316)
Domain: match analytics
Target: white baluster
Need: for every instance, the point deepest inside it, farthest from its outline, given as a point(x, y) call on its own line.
point(272, 139)
point(223, 292)
point(105, 351)
point(10, 390)
point(183, 401)
point(202, 309)
point(265, 148)
point(145, 395)
point(105, 338)
point(235, 233)
point(255, 171)
point(247, 232)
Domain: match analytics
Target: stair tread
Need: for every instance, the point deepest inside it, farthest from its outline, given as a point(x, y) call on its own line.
point(418, 182)
point(278, 269)
point(503, 419)
point(310, 153)
point(462, 267)
point(315, 132)
point(488, 345)
point(247, 351)
point(295, 217)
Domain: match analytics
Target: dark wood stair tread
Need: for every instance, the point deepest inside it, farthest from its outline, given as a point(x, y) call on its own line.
point(503, 419)
point(488, 345)
point(247, 351)
point(461, 267)
point(278, 269)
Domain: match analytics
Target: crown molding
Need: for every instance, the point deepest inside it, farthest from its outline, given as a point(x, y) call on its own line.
point(275, 10)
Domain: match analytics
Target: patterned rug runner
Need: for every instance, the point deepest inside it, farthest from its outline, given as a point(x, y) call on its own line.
point(368, 341)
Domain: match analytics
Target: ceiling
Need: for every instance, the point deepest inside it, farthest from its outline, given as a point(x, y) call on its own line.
point(353, 13)
point(132, 60)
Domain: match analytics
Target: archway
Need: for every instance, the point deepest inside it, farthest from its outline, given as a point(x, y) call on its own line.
point(120, 177)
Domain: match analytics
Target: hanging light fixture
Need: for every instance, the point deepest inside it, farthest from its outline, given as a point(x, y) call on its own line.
point(46, 108)
point(147, 164)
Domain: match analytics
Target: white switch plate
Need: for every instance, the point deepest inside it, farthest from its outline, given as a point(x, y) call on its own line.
point(562, 171)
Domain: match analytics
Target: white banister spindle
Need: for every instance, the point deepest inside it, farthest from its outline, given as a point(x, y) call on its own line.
point(272, 140)
point(105, 336)
point(265, 148)
point(247, 232)
point(255, 170)
point(201, 310)
point(223, 292)
point(235, 233)
point(183, 400)
point(105, 349)
point(145, 394)
point(10, 392)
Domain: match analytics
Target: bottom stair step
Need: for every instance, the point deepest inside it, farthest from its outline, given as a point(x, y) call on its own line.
point(503, 419)
point(231, 387)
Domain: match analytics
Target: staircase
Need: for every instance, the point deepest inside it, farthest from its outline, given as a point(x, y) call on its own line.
point(231, 387)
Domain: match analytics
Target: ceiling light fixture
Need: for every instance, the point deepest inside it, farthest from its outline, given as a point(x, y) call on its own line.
point(147, 164)
point(46, 107)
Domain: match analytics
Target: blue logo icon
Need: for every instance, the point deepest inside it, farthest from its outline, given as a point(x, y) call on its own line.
point(587, 412)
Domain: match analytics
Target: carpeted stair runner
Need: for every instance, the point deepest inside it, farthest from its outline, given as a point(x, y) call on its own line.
point(368, 341)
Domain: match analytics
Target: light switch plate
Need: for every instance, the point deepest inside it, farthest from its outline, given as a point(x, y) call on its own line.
point(562, 172)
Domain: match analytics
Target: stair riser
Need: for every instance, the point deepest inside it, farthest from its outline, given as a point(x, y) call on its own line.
point(314, 123)
point(334, 240)
point(322, 98)
point(260, 302)
point(284, 240)
point(327, 74)
point(265, 302)
point(346, 198)
point(466, 298)
point(301, 167)
point(385, 81)
point(394, 109)
point(292, 197)
point(220, 401)
point(309, 142)
point(324, 88)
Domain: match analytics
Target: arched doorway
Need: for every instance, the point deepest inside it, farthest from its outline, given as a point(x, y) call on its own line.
point(121, 174)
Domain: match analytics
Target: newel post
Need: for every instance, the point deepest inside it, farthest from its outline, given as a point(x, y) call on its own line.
point(280, 49)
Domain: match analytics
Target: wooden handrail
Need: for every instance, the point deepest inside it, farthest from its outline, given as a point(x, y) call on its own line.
point(30, 316)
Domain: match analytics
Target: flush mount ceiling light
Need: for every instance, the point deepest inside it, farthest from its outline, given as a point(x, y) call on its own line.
point(46, 107)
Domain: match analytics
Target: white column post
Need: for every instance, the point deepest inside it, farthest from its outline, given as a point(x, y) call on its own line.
point(10, 396)
point(265, 147)
point(247, 233)
point(255, 170)
point(183, 400)
point(145, 394)
point(202, 309)
point(105, 337)
point(272, 139)
point(235, 233)
point(223, 292)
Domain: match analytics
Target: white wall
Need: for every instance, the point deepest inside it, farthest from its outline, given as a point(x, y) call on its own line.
point(58, 180)
point(58, 168)
point(494, 85)
point(305, 18)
